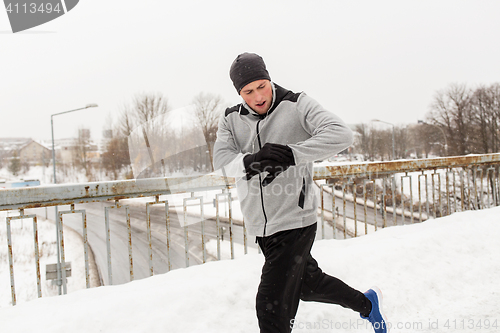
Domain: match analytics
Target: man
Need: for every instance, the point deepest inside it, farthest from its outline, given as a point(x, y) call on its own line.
point(269, 142)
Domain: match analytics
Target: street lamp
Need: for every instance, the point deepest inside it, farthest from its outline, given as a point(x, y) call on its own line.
point(59, 278)
point(52, 129)
point(444, 135)
point(385, 122)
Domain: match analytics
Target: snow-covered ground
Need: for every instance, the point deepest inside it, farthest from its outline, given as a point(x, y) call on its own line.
point(225, 249)
point(45, 175)
point(24, 259)
point(438, 276)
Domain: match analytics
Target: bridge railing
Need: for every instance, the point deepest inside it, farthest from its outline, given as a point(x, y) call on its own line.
point(355, 199)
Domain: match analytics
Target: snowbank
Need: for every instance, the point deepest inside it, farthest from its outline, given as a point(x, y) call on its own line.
point(440, 276)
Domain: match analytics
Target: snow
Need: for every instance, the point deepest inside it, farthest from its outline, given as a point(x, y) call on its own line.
point(225, 249)
point(24, 259)
point(67, 174)
point(437, 276)
point(35, 172)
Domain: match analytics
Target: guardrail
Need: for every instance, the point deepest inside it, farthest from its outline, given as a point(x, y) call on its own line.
point(409, 190)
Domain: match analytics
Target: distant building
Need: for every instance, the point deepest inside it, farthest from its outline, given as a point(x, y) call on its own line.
point(84, 133)
point(10, 145)
point(107, 136)
point(35, 153)
point(67, 150)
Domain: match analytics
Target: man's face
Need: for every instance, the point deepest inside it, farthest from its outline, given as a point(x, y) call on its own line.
point(258, 95)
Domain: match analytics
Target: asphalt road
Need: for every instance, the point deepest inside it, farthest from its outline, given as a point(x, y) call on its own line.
point(119, 239)
point(360, 212)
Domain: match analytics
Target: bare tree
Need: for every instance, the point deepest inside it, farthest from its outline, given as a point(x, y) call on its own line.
point(429, 138)
point(494, 91)
point(377, 144)
point(116, 156)
point(15, 164)
point(363, 141)
point(125, 124)
point(470, 118)
point(147, 107)
point(460, 121)
point(81, 151)
point(144, 123)
point(451, 111)
point(146, 110)
point(485, 110)
point(208, 108)
point(402, 141)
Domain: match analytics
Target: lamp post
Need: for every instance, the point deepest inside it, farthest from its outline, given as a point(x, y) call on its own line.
point(385, 122)
point(52, 129)
point(444, 135)
point(59, 279)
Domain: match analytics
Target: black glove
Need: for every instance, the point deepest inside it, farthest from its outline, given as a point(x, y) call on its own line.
point(274, 171)
point(255, 168)
point(273, 157)
point(272, 151)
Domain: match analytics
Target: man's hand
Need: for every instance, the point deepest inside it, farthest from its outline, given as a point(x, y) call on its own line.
point(273, 158)
point(272, 151)
point(273, 173)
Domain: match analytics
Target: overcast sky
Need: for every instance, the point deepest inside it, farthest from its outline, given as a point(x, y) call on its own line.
point(359, 59)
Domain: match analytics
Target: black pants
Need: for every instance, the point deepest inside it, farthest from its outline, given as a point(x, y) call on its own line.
point(289, 274)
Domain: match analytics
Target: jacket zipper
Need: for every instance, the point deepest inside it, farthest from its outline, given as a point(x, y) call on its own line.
point(260, 184)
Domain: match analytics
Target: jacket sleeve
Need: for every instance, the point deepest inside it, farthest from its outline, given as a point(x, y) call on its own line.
point(329, 134)
point(228, 159)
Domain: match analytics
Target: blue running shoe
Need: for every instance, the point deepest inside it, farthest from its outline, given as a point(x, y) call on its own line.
point(376, 317)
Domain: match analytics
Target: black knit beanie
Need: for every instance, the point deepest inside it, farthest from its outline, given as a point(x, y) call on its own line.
point(246, 68)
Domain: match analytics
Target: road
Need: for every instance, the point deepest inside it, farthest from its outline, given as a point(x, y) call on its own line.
point(119, 239)
point(360, 212)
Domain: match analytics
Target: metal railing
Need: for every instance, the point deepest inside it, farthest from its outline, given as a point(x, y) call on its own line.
point(373, 195)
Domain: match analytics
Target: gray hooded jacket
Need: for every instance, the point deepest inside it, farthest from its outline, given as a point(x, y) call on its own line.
point(312, 133)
